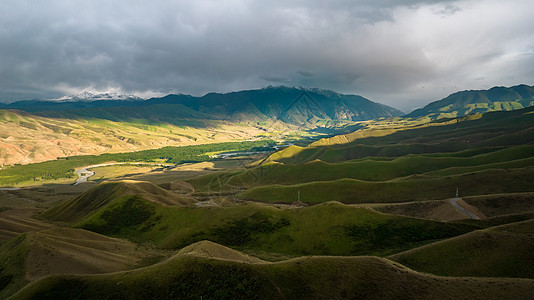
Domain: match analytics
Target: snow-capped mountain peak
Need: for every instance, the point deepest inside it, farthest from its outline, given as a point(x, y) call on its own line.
point(87, 96)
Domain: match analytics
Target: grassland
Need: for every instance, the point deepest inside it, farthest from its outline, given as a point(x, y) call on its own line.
point(112, 209)
point(383, 193)
point(413, 188)
point(33, 255)
point(481, 155)
point(190, 276)
point(502, 251)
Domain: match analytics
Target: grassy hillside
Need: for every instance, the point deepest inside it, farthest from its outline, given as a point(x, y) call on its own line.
point(33, 255)
point(383, 169)
point(490, 154)
point(261, 229)
point(496, 129)
point(412, 188)
point(503, 204)
point(469, 102)
point(188, 276)
point(503, 251)
point(28, 138)
point(106, 192)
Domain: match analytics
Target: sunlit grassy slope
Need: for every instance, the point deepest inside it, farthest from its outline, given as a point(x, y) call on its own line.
point(469, 102)
point(29, 138)
point(489, 154)
point(327, 229)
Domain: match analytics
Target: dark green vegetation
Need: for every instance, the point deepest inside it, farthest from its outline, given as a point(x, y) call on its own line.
point(471, 102)
point(191, 275)
point(64, 167)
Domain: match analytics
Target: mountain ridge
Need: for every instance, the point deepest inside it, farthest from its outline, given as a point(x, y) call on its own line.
point(478, 101)
point(269, 102)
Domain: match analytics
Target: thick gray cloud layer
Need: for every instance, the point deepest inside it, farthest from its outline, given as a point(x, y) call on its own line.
point(404, 53)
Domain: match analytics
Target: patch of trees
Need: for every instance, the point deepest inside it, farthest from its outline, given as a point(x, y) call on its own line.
point(64, 167)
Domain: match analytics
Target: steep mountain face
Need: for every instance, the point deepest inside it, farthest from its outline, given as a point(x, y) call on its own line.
point(297, 106)
point(481, 101)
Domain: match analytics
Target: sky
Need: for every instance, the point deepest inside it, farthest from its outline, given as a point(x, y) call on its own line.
point(403, 53)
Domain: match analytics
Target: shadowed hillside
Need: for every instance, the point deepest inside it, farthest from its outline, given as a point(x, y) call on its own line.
point(192, 276)
point(502, 251)
point(33, 255)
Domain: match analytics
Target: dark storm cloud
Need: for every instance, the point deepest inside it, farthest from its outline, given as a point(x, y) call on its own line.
point(401, 53)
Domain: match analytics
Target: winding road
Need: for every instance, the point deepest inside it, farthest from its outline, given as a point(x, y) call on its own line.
point(454, 202)
point(84, 173)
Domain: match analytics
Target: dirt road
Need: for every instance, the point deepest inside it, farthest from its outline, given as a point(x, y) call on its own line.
point(84, 173)
point(454, 202)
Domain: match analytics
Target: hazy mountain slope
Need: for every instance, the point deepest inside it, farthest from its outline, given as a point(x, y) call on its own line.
point(187, 276)
point(27, 138)
point(480, 101)
point(296, 106)
point(302, 107)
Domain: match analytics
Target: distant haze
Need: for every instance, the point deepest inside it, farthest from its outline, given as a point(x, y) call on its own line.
point(403, 53)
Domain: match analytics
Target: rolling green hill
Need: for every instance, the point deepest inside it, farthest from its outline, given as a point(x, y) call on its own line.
point(255, 228)
point(470, 102)
point(492, 129)
point(502, 251)
point(33, 255)
point(106, 192)
point(191, 276)
point(487, 154)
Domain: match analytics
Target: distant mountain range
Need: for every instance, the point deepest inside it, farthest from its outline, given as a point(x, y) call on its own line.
point(40, 130)
point(478, 101)
point(302, 107)
point(33, 131)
